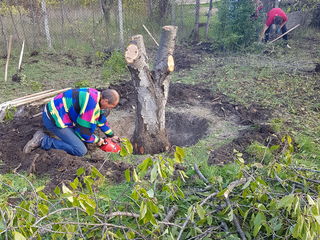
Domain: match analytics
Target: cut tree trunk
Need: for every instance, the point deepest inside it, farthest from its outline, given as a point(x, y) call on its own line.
point(152, 87)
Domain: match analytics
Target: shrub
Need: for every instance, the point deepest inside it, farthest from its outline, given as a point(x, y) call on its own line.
point(234, 28)
point(114, 67)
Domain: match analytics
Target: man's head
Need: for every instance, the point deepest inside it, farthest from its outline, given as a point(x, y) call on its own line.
point(109, 99)
point(277, 20)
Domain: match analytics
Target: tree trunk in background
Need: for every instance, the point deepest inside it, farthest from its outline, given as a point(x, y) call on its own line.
point(120, 17)
point(152, 87)
point(163, 8)
point(106, 7)
point(5, 46)
point(276, 3)
point(195, 33)
point(149, 8)
point(208, 18)
point(13, 22)
point(46, 23)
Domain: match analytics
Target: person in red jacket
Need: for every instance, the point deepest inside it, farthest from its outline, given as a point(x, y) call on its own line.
point(278, 17)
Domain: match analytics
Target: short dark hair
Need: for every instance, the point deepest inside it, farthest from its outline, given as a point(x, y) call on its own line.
point(277, 20)
point(111, 95)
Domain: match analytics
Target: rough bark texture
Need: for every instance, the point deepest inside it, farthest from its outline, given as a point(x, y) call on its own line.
point(152, 89)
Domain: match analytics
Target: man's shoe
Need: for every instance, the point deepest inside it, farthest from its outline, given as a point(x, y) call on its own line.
point(288, 46)
point(35, 142)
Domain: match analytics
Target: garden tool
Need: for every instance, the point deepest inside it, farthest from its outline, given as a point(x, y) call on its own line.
point(110, 145)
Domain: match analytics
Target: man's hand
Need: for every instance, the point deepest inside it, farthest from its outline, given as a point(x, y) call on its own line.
point(100, 142)
point(115, 139)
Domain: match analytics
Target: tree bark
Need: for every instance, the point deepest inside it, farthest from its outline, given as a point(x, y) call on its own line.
point(208, 18)
point(195, 32)
point(5, 46)
point(152, 87)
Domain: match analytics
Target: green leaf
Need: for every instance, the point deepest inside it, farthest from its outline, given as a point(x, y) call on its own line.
point(154, 173)
point(80, 171)
point(246, 185)
point(38, 189)
point(57, 190)
point(310, 200)
point(127, 175)
point(75, 183)
point(43, 196)
point(143, 210)
point(201, 212)
point(44, 209)
point(150, 193)
point(179, 154)
point(18, 236)
point(286, 202)
point(68, 192)
point(296, 233)
point(135, 176)
point(126, 147)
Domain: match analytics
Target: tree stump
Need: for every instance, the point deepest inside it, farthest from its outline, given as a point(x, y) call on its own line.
point(152, 87)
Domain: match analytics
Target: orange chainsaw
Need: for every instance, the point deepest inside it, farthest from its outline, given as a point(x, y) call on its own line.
point(110, 145)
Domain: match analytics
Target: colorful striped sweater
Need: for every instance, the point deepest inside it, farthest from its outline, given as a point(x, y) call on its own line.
point(79, 109)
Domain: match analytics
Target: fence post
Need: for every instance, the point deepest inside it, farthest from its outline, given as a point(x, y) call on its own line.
point(120, 24)
point(46, 23)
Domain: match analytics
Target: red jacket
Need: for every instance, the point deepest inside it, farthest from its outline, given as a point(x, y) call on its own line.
point(273, 13)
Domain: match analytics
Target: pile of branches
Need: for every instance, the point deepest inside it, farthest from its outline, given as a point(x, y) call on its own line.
point(270, 198)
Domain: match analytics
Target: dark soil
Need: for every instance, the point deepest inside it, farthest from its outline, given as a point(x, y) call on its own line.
point(261, 133)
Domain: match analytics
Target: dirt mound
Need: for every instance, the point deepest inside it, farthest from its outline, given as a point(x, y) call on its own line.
point(56, 164)
point(225, 153)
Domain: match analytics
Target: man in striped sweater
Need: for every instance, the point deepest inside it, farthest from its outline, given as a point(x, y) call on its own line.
point(73, 117)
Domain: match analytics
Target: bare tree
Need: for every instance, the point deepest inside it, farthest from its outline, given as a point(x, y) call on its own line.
point(195, 32)
point(13, 22)
point(208, 17)
point(152, 89)
point(3, 34)
point(106, 7)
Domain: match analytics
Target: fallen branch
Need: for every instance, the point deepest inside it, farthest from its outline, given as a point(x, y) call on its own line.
point(306, 169)
point(236, 221)
point(284, 34)
point(230, 187)
point(196, 168)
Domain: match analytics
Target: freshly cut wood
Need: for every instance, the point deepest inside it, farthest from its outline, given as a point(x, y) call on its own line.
point(170, 63)
point(29, 99)
point(132, 53)
point(36, 98)
point(31, 95)
point(40, 102)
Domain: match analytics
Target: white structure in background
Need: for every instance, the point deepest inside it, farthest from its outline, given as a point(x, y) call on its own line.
point(46, 23)
point(120, 24)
